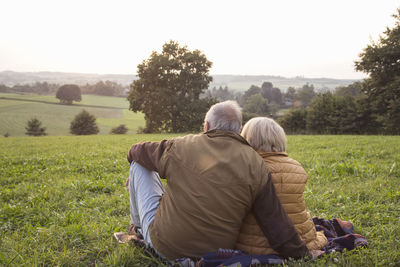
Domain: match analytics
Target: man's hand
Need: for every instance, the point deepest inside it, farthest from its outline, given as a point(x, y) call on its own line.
point(315, 253)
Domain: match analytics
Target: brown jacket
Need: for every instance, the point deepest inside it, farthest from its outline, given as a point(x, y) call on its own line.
point(289, 179)
point(213, 180)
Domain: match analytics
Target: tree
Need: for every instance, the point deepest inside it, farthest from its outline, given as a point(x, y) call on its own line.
point(271, 93)
point(319, 114)
point(381, 60)
point(305, 94)
point(289, 96)
point(4, 88)
point(68, 93)
point(169, 87)
point(354, 90)
point(253, 90)
point(344, 116)
point(332, 114)
point(266, 89)
point(276, 96)
point(84, 124)
point(34, 128)
point(222, 94)
point(121, 129)
point(294, 121)
point(256, 104)
point(367, 120)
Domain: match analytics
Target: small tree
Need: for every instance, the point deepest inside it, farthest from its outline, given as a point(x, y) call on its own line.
point(256, 104)
point(84, 124)
point(305, 95)
point(119, 130)
point(294, 121)
point(253, 90)
point(68, 93)
point(34, 128)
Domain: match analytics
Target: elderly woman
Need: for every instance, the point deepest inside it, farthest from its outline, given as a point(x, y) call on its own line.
point(289, 178)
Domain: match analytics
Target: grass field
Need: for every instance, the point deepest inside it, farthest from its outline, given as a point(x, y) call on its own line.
point(16, 110)
point(62, 198)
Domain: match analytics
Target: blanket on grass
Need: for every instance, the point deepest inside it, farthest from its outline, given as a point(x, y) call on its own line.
point(340, 235)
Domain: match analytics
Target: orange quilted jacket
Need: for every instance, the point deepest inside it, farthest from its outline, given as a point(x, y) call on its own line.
point(289, 179)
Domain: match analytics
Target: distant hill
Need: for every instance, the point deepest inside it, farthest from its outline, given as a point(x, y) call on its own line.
point(235, 82)
point(11, 78)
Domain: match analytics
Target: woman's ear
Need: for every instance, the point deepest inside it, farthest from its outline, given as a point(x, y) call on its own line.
point(206, 126)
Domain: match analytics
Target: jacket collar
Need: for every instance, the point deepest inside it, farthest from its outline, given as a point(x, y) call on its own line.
point(219, 133)
point(271, 154)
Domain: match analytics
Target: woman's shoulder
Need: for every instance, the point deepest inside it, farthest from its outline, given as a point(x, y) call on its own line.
point(280, 161)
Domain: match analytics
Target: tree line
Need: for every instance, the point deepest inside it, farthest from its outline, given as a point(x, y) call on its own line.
point(371, 106)
point(351, 109)
point(105, 88)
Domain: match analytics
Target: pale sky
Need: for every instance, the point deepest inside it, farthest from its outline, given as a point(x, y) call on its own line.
point(311, 38)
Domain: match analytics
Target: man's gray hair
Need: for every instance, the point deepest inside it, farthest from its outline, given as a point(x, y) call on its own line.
point(226, 116)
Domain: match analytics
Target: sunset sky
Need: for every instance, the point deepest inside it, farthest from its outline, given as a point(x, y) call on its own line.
point(288, 38)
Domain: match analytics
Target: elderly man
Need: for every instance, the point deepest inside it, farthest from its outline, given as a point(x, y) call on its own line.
point(214, 180)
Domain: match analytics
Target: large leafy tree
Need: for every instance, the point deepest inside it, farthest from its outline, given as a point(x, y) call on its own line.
point(169, 87)
point(68, 93)
point(381, 60)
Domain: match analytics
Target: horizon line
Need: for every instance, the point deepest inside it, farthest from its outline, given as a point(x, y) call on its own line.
point(212, 74)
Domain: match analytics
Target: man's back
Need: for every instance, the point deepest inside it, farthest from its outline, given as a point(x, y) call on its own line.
point(212, 181)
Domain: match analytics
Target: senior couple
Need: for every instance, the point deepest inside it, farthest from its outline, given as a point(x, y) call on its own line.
point(223, 190)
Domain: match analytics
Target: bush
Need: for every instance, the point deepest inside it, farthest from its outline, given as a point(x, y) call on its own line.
point(34, 128)
point(294, 121)
point(141, 130)
point(84, 124)
point(119, 130)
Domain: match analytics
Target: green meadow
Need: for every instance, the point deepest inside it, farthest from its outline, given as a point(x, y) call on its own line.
point(17, 109)
point(62, 197)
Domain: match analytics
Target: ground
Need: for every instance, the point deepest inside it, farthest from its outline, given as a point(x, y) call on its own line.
point(62, 197)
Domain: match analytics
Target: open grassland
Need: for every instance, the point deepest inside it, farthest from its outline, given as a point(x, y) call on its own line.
point(16, 110)
point(61, 198)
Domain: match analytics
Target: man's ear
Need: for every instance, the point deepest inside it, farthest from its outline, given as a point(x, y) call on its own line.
point(206, 126)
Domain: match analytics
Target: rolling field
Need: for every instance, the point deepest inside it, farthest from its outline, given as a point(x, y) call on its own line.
point(16, 110)
point(62, 197)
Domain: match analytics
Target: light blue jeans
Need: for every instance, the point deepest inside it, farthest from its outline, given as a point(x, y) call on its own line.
point(145, 191)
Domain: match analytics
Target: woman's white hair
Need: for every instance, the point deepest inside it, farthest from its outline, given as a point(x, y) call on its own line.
point(264, 134)
point(226, 116)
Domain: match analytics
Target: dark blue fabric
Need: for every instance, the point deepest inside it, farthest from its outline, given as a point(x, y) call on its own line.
point(229, 257)
point(340, 235)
